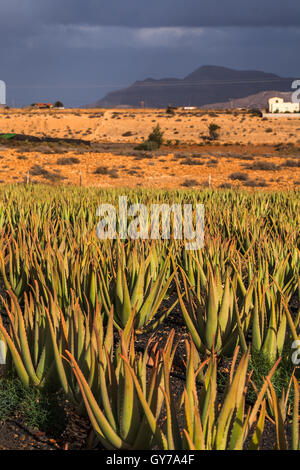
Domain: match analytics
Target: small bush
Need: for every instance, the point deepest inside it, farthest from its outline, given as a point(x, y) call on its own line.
point(225, 186)
point(38, 410)
point(258, 183)
point(191, 161)
point(289, 163)
point(68, 161)
point(156, 136)
point(37, 170)
point(147, 146)
point(132, 172)
point(213, 131)
point(170, 110)
point(255, 112)
point(102, 170)
point(142, 156)
point(58, 104)
point(190, 183)
point(154, 141)
point(262, 165)
point(239, 176)
point(212, 162)
point(260, 365)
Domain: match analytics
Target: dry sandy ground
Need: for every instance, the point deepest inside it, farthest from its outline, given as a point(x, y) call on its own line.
point(243, 135)
point(187, 127)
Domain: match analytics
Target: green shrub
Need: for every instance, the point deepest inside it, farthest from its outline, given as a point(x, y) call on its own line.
point(148, 145)
point(170, 110)
point(214, 131)
point(154, 141)
point(156, 136)
point(260, 365)
point(58, 104)
point(38, 410)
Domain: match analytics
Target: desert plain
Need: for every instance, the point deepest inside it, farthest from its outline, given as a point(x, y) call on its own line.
point(250, 151)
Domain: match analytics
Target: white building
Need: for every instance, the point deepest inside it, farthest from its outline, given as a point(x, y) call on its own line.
point(278, 105)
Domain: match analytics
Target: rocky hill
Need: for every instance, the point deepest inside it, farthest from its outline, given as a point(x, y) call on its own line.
point(205, 86)
point(259, 100)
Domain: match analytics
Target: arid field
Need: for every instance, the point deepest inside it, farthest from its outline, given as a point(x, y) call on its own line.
point(250, 151)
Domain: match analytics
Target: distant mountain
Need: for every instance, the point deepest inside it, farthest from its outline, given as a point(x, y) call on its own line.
point(259, 100)
point(206, 85)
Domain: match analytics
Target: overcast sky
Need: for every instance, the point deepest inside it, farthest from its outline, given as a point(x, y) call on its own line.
point(78, 50)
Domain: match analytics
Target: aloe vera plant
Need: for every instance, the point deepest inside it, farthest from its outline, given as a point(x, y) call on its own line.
point(198, 264)
point(214, 319)
point(223, 423)
point(227, 424)
point(14, 265)
point(84, 335)
point(280, 412)
point(140, 284)
point(269, 324)
point(38, 337)
point(209, 424)
point(116, 408)
point(28, 342)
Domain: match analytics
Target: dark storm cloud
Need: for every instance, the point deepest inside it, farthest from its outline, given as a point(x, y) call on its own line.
point(150, 13)
point(77, 50)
